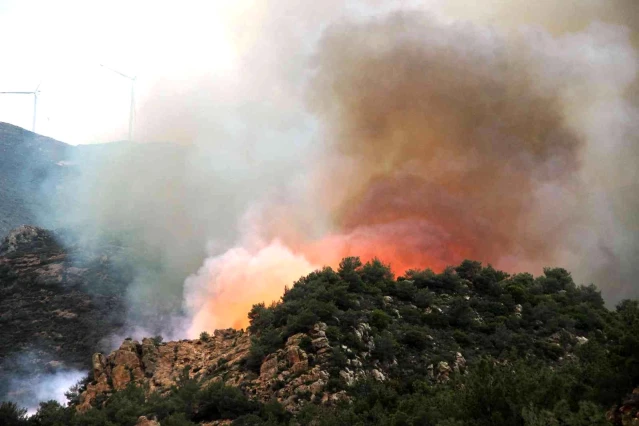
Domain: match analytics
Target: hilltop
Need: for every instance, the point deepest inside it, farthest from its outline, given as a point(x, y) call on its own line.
point(470, 345)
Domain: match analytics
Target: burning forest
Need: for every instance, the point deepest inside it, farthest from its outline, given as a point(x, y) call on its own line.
point(326, 172)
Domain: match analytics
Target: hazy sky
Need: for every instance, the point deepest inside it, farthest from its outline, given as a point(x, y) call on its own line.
point(61, 45)
point(172, 47)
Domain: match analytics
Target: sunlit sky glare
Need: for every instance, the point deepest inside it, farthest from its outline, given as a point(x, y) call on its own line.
point(60, 45)
point(174, 48)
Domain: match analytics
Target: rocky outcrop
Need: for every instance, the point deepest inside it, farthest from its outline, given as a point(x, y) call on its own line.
point(290, 375)
point(442, 373)
point(20, 236)
point(294, 375)
point(363, 334)
point(518, 310)
point(143, 421)
point(160, 365)
point(459, 365)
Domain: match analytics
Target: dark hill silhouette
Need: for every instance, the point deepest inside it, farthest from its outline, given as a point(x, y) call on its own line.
point(27, 162)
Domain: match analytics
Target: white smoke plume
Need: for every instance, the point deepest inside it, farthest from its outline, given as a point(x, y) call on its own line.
point(28, 393)
point(214, 298)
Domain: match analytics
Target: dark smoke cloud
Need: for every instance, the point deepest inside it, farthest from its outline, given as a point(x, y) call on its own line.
point(473, 132)
point(444, 124)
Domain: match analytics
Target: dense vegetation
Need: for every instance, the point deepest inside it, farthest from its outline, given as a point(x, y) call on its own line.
point(538, 351)
point(518, 333)
point(187, 403)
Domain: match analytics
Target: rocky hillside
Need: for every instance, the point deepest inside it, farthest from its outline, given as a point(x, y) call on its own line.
point(469, 346)
point(290, 375)
point(56, 305)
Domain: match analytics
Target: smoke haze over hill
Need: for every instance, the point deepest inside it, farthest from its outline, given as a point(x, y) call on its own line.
point(421, 135)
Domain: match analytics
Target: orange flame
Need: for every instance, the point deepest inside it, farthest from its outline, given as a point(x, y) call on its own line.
point(223, 291)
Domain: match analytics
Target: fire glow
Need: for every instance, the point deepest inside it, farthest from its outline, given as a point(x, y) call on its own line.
point(442, 142)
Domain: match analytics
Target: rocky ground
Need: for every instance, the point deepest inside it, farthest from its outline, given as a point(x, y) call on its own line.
point(291, 375)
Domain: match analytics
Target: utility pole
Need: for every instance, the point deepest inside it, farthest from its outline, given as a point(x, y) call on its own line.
point(35, 103)
point(132, 105)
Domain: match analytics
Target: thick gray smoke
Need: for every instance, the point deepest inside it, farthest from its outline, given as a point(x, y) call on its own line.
point(329, 113)
point(504, 143)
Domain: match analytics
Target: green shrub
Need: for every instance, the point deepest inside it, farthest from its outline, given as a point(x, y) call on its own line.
point(12, 415)
point(405, 290)
point(177, 419)
point(385, 347)
point(462, 338)
point(51, 413)
point(306, 344)
point(417, 339)
point(380, 319)
point(218, 401)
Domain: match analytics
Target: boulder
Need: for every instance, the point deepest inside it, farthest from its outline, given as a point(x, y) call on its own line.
point(143, 421)
point(98, 362)
point(126, 358)
point(295, 339)
point(378, 375)
point(149, 357)
point(347, 376)
point(268, 369)
point(459, 365)
point(299, 367)
point(443, 372)
point(581, 340)
point(294, 355)
point(319, 330)
point(518, 310)
point(320, 343)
